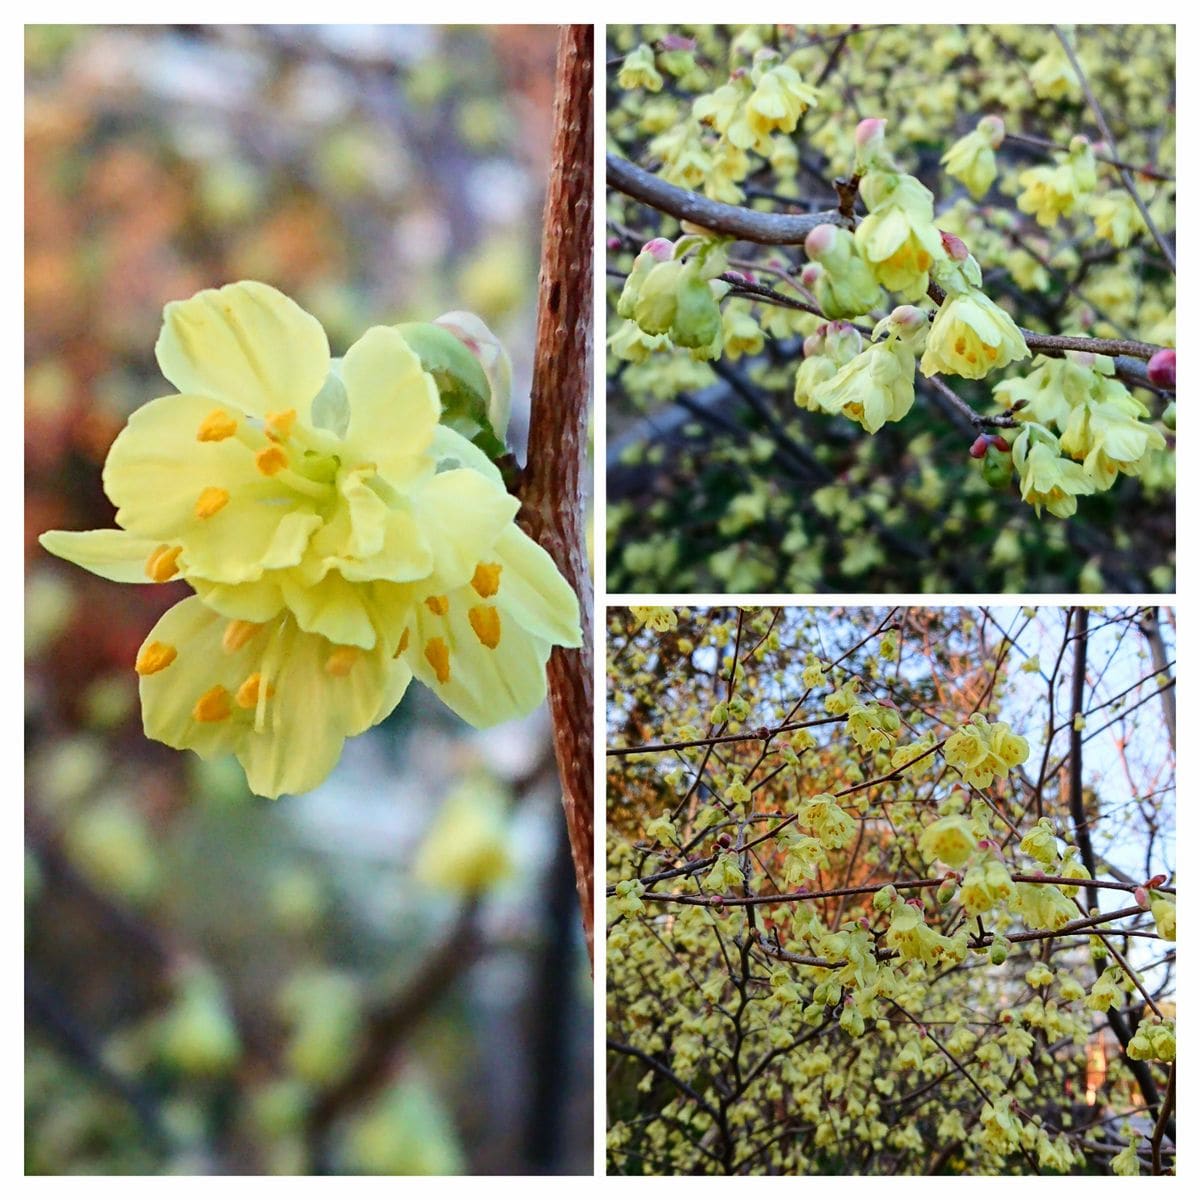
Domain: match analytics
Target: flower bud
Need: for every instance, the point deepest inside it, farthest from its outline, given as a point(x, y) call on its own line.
point(992, 127)
point(998, 951)
point(1161, 369)
point(955, 247)
point(697, 315)
point(979, 446)
point(1168, 417)
point(868, 142)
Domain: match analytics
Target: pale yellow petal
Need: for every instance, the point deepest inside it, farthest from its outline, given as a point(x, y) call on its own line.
point(463, 514)
point(482, 684)
point(534, 592)
point(246, 345)
point(394, 404)
point(109, 553)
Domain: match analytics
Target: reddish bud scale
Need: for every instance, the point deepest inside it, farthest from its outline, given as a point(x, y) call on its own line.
point(1161, 369)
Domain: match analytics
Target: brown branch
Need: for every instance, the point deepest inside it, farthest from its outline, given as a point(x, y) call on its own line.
point(768, 229)
point(389, 1024)
point(1160, 1125)
point(551, 487)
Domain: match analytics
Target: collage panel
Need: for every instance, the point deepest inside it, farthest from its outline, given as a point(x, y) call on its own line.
point(891, 309)
point(307, 826)
point(890, 890)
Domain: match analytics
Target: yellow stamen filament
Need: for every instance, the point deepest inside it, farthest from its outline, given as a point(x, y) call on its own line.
point(270, 460)
point(438, 655)
point(279, 425)
point(154, 657)
point(247, 694)
point(438, 605)
point(163, 563)
point(212, 706)
point(216, 427)
point(990, 351)
point(485, 620)
point(237, 634)
point(400, 649)
point(342, 660)
point(486, 580)
point(211, 501)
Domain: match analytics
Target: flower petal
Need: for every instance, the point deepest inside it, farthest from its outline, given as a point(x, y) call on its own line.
point(109, 553)
point(483, 684)
point(246, 345)
point(394, 403)
point(463, 513)
point(533, 592)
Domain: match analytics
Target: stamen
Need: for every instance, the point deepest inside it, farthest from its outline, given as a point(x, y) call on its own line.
point(216, 427)
point(211, 501)
point(960, 346)
point(437, 653)
point(485, 620)
point(990, 351)
point(486, 580)
point(237, 634)
point(154, 657)
point(212, 706)
point(438, 605)
point(400, 649)
point(163, 563)
point(279, 424)
point(247, 694)
point(270, 460)
point(342, 660)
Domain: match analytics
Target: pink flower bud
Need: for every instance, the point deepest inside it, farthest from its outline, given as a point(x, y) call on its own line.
point(869, 134)
point(675, 41)
point(907, 316)
point(993, 128)
point(820, 241)
point(954, 246)
point(810, 275)
point(1000, 443)
point(1156, 881)
point(814, 344)
point(1161, 369)
point(614, 243)
point(979, 446)
point(659, 248)
point(1141, 898)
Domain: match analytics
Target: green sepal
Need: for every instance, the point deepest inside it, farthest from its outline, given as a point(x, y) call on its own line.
point(461, 382)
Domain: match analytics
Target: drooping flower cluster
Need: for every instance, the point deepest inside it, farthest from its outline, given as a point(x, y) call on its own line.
point(897, 239)
point(981, 751)
point(971, 335)
point(339, 535)
point(876, 386)
point(972, 159)
point(1101, 424)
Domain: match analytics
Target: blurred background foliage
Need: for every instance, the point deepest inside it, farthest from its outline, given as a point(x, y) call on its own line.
point(718, 482)
point(216, 983)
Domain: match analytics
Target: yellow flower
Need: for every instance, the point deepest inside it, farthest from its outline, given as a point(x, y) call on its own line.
point(1163, 911)
point(341, 539)
point(877, 385)
point(1040, 843)
point(972, 159)
point(970, 337)
point(948, 839)
point(1047, 479)
point(467, 846)
point(984, 886)
point(638, 71)
point(780, 98)
point(1117, 217)
point(824, 816)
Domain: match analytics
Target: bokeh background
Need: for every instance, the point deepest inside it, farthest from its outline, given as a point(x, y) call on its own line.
point(216, 983)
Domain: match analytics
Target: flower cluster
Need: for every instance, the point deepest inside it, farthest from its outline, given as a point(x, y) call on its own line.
point(981, 751)
point(340, 537)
